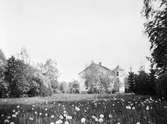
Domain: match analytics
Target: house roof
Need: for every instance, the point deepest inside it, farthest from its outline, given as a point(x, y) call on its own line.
point(97, 65)
point(100, 65)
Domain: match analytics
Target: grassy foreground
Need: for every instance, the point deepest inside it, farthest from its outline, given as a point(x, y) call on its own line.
point(84, 109)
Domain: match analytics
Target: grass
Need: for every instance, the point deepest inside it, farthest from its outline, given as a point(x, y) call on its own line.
point(84, 108)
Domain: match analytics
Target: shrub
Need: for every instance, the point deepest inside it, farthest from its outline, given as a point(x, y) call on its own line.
point(161, 85)
point(44, 91)
point(4, 89)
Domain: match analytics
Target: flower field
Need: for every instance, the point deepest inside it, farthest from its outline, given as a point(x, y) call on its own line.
point(113, 109)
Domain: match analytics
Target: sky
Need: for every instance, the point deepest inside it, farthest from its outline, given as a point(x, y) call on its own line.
point(75, 32)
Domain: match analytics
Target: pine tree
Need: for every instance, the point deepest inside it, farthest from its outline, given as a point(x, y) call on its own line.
point(131, 81)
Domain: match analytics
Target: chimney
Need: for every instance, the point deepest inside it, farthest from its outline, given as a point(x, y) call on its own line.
point(100, 63)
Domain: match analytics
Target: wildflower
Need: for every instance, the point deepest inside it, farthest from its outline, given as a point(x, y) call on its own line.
point(46, 109)
point(59, 122)
point(13, 115)
point(93, 116)
point(83, 120)
point(36, 112)
point(52, 116)
point(128, 107)
point(61, 117)
point(66, 122)
point(77, 108)
point(6, 121)
point(110, 116)
point(12, 123)
point(101, 120)
point(31, 118)
point(68, 117)
point(18, 106)
point(147, 108)
point(101, 116)
point(133, 108)
point(51, 122)
point(46, 114)
point(14, 110)
point(137, 122)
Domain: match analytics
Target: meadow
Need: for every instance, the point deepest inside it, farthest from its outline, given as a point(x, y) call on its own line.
point(84, 109)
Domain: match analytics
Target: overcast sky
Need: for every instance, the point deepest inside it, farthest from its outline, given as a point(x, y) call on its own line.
point(75, 32)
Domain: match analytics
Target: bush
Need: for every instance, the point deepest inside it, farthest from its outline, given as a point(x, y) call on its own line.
point(44, 91)
point(161, 85)
point(4, 89)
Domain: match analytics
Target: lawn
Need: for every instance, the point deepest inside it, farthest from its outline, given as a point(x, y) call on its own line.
point(84, 109)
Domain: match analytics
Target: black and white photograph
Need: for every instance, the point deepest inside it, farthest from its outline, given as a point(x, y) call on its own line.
point(83, 62)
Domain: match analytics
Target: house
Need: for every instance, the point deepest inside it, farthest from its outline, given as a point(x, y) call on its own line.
point(99, 76)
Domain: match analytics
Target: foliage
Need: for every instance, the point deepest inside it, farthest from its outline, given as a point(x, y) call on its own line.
point(142, 83)
point(131, 82)
point(155, 12)
point(63, 87)
point(161, 87)
point(50, 71)
point(2, 58)
point(74, 87)
point(15, 75)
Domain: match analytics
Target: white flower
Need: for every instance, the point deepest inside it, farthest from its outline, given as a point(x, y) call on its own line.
point(77, 108)
point(61, 117)
point(128, 107)
point(13, 115)
point(101, 120)
point(118, 122)
point(59, 122)
point(147, 108)
point(96, 119)
point(31, 118)
point(101, 116)
point(110, 116)
point(40, 113)
point(66, 122)
point(6, 121)
point(36, 112)
point(52, 116)
point(18, 106)
point(137, 122)
point(83, 120)
point(12, 123)
point(46, 114)
point(68, 117)
point(93, 116)
point(14, 110)
point(51, 122)
point(46, 109)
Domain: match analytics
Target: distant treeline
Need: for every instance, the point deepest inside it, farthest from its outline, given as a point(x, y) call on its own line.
point(19, 78)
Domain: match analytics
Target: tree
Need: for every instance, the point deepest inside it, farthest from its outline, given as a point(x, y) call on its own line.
point(2, 58)
point(50, 71)
point(155, 12)
point(23, 55)
point(131, 82)
point(74, 86)
point(63, 87)
point(15, 75)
